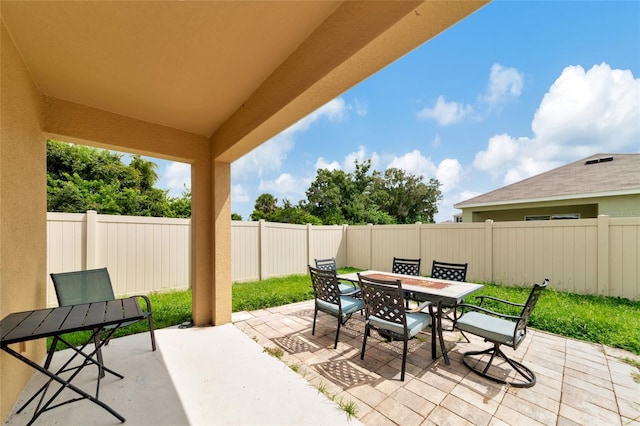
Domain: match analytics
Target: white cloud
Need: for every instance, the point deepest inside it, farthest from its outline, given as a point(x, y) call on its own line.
point(446, 113)
point(583, 113)
point(239, 193)
point(449, 174)
point(588, 112)
point(321, 163)
point(361, 107)
point(269, 156)
point(415, 163)
point(360, 155)
point(177, 176)
point(285, 184)
point(504, 83)
point(501, 151)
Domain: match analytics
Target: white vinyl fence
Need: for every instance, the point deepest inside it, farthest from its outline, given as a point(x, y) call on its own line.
point(589, 256)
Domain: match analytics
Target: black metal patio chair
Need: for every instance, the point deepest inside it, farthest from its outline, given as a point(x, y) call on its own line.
point(329, 300)
point(499, 329)
point(347, 288)
point(385, 312)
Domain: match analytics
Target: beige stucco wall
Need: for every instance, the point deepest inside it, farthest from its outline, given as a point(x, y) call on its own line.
point(23, 206)
point(614, 206)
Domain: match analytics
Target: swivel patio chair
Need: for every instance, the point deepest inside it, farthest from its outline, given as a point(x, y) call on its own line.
point(329, 300)
point(499, 329)
point(346, 288)
point(89, 286)
point(385, 312)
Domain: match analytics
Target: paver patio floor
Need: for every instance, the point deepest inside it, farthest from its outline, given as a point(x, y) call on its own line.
point(578, 383)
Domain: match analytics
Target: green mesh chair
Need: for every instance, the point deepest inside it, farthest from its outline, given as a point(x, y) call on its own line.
point(89, 286)
point(499, 329)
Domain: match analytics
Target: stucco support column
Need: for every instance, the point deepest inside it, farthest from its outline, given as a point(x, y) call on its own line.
point(201, 244)
point(221, 239)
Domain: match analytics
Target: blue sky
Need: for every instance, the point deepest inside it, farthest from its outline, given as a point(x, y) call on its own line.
point(516, 89)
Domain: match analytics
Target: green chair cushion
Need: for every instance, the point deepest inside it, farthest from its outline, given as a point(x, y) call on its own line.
point(416, 322)
point(492, 328)
point(349, 306)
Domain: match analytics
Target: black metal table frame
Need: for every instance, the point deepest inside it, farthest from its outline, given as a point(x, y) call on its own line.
point(437, 299)
point(89, 359)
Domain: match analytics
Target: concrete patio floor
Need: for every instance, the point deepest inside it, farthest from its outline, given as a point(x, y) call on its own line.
point(222, 376)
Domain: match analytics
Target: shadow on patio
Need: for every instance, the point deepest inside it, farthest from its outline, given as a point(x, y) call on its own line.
point(221, 376)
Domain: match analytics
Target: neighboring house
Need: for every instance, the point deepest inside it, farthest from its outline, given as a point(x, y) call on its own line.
point(602, 184)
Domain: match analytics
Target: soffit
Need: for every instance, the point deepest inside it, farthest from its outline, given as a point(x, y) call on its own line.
point(185, 65)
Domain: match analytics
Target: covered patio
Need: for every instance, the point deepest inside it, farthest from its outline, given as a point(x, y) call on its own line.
point(222, 376)
point(197, 82)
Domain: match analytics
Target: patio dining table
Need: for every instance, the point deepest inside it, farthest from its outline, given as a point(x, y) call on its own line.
point(438, 291)
point(21, 327)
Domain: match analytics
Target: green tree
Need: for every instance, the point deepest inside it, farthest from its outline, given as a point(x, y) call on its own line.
point(80, 178)
point(367, 196)
point(407, 198)
point(236, 216)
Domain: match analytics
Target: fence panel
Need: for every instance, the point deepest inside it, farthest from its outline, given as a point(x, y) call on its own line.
point(359, 246)
point(588, 256)
point(327, 241)
point(284, 249)
point(245, 251)
point(624, 249)
point(455, 243)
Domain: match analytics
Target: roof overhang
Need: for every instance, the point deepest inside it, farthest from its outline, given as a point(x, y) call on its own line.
point(236, 73)
point(548, 199)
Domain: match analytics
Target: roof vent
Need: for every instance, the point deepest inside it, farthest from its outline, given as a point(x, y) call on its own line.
point(599, 160)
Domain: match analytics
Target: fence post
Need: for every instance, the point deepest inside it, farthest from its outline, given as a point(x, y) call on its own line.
point(345, 242)
point(91, 239)
point(488, 249)
point(308, 244)
point(419, 256)
point(603, 255)
point(370, 225)
point(261, 249)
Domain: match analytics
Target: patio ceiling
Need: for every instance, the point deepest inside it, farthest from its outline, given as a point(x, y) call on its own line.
point(234, 72)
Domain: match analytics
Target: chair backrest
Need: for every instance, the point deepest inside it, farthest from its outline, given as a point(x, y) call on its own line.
point(93, 285)
point(325, 285)
point(449, 271)
point(326, 264)
point(406, 266)
point(384, 299)
point(532, 301)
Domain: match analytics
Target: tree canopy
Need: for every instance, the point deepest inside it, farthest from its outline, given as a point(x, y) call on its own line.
point(363, 196)
point(81, 178)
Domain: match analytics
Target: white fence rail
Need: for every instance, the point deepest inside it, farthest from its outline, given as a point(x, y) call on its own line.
point(590, 256)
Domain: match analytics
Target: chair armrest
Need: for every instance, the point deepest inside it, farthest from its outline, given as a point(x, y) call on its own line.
point(353, 283)
point(146, 300)
point(422, 306)
point(482, 299)
point(465, 306)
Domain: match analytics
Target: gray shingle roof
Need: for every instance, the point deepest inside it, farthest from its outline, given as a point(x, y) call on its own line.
point(621, 174)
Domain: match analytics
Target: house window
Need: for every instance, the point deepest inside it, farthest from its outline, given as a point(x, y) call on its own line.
point(553, 216)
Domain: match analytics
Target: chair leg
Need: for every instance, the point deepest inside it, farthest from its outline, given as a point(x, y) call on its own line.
point(315, 314)
point(525, 373)
point(151, 331)
point(364, 341)
point(52, 349)
point(404, 358)
point(96, 341)
point(335, 345)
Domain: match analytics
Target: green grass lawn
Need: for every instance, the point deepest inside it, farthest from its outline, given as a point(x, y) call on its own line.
point(610, 321)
